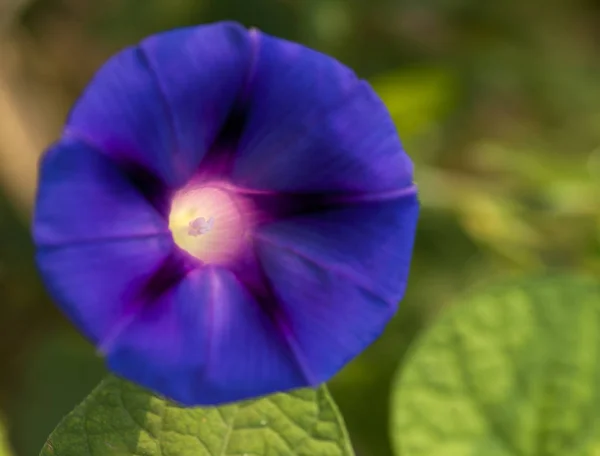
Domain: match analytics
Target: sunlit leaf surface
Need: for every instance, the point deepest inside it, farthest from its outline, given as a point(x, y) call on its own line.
point(512, 371)
point(118, 418)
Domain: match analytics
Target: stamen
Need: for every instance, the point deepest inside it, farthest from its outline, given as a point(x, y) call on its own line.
point(200, 226)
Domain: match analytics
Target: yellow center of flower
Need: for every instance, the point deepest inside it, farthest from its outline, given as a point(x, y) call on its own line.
point(208, 223)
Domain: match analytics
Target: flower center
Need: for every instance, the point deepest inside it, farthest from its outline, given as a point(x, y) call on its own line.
point(210, 223)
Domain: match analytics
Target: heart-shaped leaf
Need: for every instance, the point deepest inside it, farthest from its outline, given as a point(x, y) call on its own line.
point(512, 371)
point(119, 418)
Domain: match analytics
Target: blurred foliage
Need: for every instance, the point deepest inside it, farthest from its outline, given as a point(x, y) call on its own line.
point(60, 372)
point(4, 447)
point(512, 369)
point(498, 103)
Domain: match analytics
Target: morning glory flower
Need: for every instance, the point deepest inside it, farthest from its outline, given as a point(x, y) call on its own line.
point(226, 215)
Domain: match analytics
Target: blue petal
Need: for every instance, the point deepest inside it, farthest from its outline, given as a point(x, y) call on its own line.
point(338, 276)
point(97, 285)
point(160, 105)
point(205, 342)
point(313, 126)
point(84, 197)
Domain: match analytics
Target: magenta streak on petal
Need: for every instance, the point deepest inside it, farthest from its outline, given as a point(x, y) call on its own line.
point(175, 267)
point(270, 206)
point(329, 198)
point(148, 291)
point(153, 189)
point(218, 161)
point(335, 269)
point(210, 305)
point(150, 186)
point(349, 198)
point(227, 186)
point(258, 285)
point(105, 346)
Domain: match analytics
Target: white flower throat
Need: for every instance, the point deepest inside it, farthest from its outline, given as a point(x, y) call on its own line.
point(209, 223)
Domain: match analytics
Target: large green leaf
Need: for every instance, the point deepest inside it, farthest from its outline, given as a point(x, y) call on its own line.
point(119, 418)
point(515, 371)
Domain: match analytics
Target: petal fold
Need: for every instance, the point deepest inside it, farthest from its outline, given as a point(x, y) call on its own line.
point(338, 276)
point(97, 284)
point(84, 197)
point(313, 126)
point(161, 104)
point(205, 343)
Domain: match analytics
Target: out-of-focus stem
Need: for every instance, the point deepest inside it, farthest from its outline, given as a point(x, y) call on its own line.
point(21, 139)
point(20, 143)
point(18, 152)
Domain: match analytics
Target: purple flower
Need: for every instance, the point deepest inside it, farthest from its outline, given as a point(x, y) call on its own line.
point(226, 215)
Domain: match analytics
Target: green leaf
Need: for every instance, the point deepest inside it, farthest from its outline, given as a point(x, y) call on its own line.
point(514, 371)
point(119, 418)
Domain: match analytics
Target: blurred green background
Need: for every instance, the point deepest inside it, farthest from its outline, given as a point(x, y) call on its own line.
point(498, 103)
